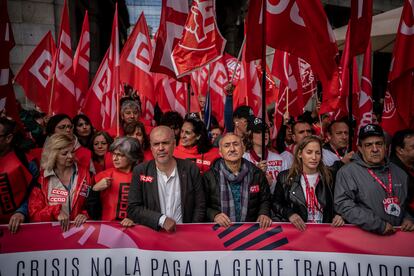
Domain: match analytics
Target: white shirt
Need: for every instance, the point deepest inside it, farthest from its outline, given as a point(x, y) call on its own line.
point(329, 157)
point(275, 164)
point(312, 182)
point(169, 193)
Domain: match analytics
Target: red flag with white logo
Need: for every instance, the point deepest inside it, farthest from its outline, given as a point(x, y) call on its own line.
point(365, 95)
point(248, 88)
point(34, 74)
point(360, 24)
point(291, 97)
point(81, 62)
point(101, 102)
point(301, 28)
point(201, 42)
point(344, 72)
point(64, 92)
point(171, 95)
point(173, 18)
point(135, 60)
point(199, 80)
point(398, 110)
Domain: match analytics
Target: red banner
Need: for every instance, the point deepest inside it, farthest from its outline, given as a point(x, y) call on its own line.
point(101, 247)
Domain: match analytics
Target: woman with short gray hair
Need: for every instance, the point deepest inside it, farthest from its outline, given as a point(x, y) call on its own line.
point(108, 199)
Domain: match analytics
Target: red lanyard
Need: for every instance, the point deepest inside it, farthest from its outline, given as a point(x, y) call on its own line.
point(337, 154)
point(388, 189)
point(311, 200)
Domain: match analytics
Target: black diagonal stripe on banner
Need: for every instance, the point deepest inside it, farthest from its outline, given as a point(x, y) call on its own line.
point(243, 234)
point(275, 244)
point(260, 238)
point(230, 229)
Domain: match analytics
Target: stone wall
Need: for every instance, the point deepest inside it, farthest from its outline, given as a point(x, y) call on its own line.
point(30, 20)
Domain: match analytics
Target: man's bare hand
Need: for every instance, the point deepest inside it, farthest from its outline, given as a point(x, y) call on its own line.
point(222, 219)
point(264, 221)
point(169, 225)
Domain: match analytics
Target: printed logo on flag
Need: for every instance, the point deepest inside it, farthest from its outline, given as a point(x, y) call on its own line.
point(200, 25)
point(41, 68)
point(140, 53)
point(389, 106)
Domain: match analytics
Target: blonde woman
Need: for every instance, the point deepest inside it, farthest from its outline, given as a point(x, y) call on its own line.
point(63, 185)
point(304, 193)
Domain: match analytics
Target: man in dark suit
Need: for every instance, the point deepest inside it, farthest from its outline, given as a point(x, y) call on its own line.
point(165, 191)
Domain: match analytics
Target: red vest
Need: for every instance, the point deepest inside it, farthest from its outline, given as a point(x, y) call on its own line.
point(114, 200)
point(14, 182)
point(202, 160)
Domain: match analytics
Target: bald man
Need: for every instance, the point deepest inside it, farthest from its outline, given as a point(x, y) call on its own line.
point(236, 190)
point(167, 190)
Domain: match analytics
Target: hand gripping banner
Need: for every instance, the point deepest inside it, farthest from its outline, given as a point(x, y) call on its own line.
point(106, 248)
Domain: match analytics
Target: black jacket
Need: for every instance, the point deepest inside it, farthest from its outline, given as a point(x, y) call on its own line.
point(289, 199)
point(259, 201)
point(143, 199)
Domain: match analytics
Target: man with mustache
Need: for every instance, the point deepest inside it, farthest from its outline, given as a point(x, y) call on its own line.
point(167, 190)
point(371, 192)
point(236, 190)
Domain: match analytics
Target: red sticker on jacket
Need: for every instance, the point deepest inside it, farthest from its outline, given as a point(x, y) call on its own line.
point(254, 189)
point(59, 192)
point(145, 178)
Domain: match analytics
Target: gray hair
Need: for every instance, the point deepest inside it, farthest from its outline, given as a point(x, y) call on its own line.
point(130, 147)
point(130, 104)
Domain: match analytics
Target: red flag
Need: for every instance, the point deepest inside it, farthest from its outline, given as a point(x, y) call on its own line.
point(6, 40)
point(34, 74)
point(365, 95)
point(398, 110)
point(81, 62)
point(135, 60)
point(346, 59)
point(101, 103)
point(360, 24)
point(249, 86)
point(299, 27)
point(173, 18)
point(286, 69)
point(64, 93)
point(199, 80)
point(147, 109)
point(171, 95)
point(7, 96)
point(218, 80)
point(201, 42)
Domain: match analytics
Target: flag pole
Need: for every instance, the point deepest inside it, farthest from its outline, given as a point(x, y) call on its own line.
point(263, 79)
point(188, 98)
point(351, 129)
point(51, 95)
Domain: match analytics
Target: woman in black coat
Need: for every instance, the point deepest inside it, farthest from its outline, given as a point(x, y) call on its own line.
point(305, 192)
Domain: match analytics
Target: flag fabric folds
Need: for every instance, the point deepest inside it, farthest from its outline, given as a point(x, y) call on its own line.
point(101, 103)
point(136, 59)
point(360, 26)
point(173, 18)
point(81, 62)
point(201, 42)
point(64, 94)
point(34, 74)
point(398, 110)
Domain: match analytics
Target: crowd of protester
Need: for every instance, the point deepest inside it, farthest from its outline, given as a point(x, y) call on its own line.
point(62, 169)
